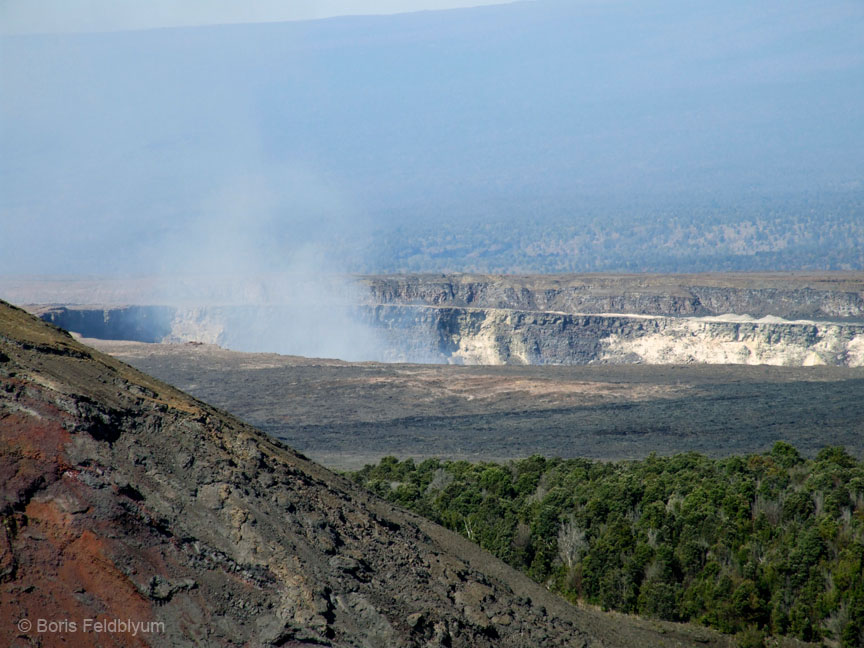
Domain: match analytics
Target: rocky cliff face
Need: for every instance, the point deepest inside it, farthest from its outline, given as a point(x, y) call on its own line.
point(782, 295)
point(125, 500)
point(501, 336)
point(618, 319)
point(140, 323)
point(412, 333)
point(539, 320)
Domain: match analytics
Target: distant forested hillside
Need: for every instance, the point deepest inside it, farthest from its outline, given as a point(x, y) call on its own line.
point(765, 544)
point(824, 232)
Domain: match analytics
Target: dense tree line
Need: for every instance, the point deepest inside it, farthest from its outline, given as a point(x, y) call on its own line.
point(766, 544)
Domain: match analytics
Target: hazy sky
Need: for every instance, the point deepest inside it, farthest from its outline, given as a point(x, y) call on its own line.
point(253, 147)
point(58, 16)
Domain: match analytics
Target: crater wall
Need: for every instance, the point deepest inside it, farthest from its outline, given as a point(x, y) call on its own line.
point(466, 335)
point(790, 296)
point(777, 319)
point(501, 336)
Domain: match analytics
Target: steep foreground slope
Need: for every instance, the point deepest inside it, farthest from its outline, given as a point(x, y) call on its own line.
point(127, 502)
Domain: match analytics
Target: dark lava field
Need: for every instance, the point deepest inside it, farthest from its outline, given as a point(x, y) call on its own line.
point(345, 415)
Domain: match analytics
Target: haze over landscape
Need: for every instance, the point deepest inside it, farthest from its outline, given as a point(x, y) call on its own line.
point(562, 303)
point(534, 136)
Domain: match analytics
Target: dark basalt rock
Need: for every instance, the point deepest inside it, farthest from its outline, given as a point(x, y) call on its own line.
point(158, 515)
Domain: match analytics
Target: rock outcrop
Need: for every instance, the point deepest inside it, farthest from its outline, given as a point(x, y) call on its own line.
point(503, 336)
point(748, 319)
point(127, 502)
point(789, 296)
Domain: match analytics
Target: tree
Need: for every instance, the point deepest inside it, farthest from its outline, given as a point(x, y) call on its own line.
point(572, 543)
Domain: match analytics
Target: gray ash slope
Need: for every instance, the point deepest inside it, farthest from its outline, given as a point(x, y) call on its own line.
point(124, 496)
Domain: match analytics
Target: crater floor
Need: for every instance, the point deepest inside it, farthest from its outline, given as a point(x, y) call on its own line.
point(348, 414)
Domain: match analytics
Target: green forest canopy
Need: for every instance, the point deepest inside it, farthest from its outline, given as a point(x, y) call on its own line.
point(762, 544)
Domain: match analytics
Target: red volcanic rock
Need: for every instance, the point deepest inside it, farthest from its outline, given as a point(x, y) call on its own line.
point(133, 514)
